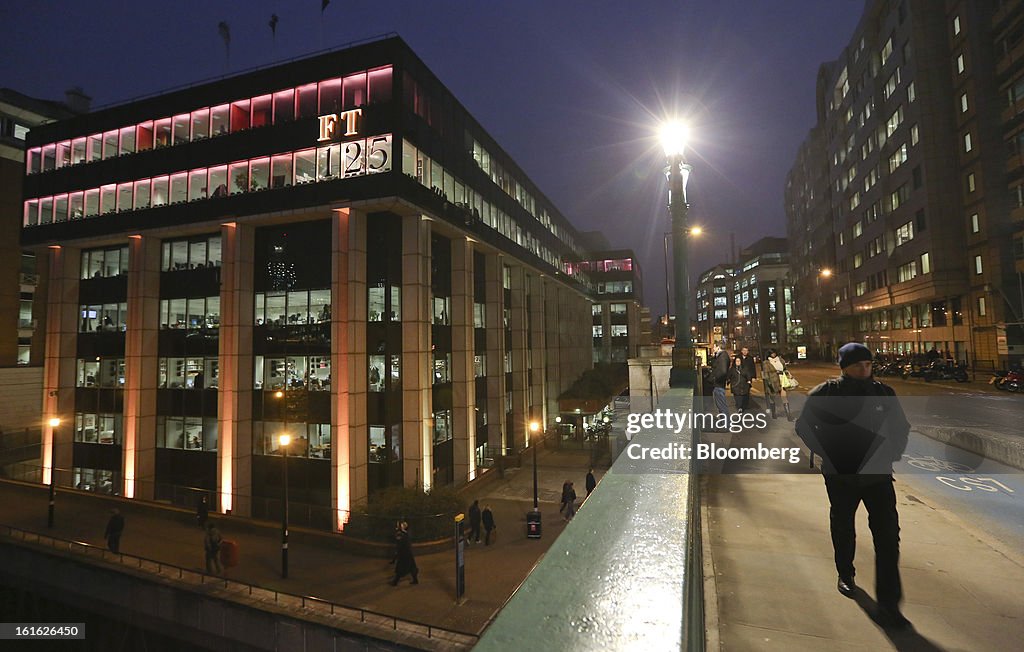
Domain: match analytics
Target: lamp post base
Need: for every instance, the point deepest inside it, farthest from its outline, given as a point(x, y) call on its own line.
point(683, 373)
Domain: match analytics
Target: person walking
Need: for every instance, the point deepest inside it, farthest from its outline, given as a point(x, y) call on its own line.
point(474, 522)
point(211, 545)
point(202, 512)
point(570, 502)
point(115, 527)
point(591, 482)
point(719, 377)
point(857, 426)
point(774, 368)
point(488, 519)
point(739, 381)
point(749, 364)
point(405, 563)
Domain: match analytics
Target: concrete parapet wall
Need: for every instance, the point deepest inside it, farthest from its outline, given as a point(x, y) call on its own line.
point(988, 445)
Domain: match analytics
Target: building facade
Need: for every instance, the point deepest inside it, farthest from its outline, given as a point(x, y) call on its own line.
point(331, 248)
point(617, 312)
point(910, 245)
point(715, 309)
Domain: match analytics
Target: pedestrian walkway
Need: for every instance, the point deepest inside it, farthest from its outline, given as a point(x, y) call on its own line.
point(772, 582)
point(317, 566)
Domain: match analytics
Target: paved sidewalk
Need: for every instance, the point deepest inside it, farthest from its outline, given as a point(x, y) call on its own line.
point(316, 566)
point(770, 555)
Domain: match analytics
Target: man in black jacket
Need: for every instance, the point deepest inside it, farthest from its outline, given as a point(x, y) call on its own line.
point(748, 367)
point(857, 426)
point(719, 377)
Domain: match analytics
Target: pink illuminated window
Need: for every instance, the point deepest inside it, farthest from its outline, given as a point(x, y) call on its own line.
point(219, 119)
point(127, 141)
point(46, 210)
point(49, 156)
point(179, 187)
point(63, 154)
point(259, 173)
point(197, 184)
point(35, 160)
point(239, 115)
point(125, 197)
point(76, 205)
point(110, 144)
point(181, 126)
point(77, 151)
point(60, 208)
point(281, 171)
point(353, 92)
point(159, 191)
point(142, 193)
point(92, 202)
point(379, 82)
point(238, 178)
point(306, 102)
point(219, 181)
point(95, 147)
point(108, 199)
point(31, 212)
point(144, 136)
point(163, 132)
point(262, 110)
point(330, 96)
point(200, 124)
point(284, 106)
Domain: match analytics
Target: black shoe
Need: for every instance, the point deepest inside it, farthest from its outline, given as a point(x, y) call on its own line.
point(890, 617)
point(847, 586)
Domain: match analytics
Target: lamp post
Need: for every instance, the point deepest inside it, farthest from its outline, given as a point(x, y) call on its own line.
point(54, 423)
point(284, 440)
point(673, 139)
point(534, 429)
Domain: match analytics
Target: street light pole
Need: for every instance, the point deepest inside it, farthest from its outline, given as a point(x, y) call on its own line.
point(54, 424)
point(284, 440)
point(534, 429)
point(674, 140)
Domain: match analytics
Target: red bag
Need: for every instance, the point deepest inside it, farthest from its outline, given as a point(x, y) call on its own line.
point(229, 553)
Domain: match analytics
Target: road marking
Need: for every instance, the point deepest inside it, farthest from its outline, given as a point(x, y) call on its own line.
point(974, 483)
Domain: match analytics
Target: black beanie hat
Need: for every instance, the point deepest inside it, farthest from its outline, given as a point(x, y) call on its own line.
point(853, 353)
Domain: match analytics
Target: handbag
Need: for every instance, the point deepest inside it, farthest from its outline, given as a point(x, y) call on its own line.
point(789, 381)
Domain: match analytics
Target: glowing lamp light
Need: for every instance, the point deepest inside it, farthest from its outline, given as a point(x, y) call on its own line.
point(826, 272)
point(278, 394)
point(284, 440)
point(696, 230)
point(534, 426)
point(673, 138)
point(54, 422)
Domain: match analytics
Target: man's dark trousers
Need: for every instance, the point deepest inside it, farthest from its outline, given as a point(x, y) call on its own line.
point(845, 493)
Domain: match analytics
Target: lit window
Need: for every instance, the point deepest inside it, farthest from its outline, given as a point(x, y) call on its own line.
point(978, 269)
point(967, 142)
point(963, 103)
point(926, 263)
point(981, 306)
point(960, 67)
point(975, 224)
point(956, 25)
point(970, 182)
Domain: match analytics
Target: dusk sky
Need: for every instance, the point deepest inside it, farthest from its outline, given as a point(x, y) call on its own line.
point(572, 89)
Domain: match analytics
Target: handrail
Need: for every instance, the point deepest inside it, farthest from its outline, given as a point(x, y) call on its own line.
point(89, 550)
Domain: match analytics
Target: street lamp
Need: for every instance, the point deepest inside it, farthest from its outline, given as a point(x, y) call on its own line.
point(673, 140)
point(284, 440)
point(54, 423)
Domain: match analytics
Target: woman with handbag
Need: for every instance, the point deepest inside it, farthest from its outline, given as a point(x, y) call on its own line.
point(776, 379)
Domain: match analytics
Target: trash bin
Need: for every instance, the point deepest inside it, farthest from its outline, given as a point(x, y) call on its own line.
point(229, 553)
point(533, 525)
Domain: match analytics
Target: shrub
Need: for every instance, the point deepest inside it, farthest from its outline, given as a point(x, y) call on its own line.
point(429, 514)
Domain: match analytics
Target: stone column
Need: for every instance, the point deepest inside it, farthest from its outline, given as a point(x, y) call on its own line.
point(234, 396)
point(140, 367)
point(552, 349)
point(417, 361)
point(349, 449)
point(520, 413)
point(463, 382)
point(62, 322)
point(537, 348)
point(496, 426)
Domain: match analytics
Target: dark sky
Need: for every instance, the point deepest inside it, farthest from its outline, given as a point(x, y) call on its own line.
point(572, 89)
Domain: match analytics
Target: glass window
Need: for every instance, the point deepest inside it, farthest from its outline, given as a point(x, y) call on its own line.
point(109, 144)
point(379, 85)
point(179, 187)
point(197, 254)
point(219, 119)
point(238, 173)
point(159, 191)
point(354, 91)
point(180, 128)
point(76, 205)
point(219, 181)
point(127, 140)
point(124, 197)
point(305, 166)
point(275, 309)
point(330, 96)
point(108, 199)
point(163, 132)
point(200, 124)
point(281, 171)
point(262, 107)
point(376, 373)
point(306, 102)
point(197, 184)
point(77, 151)
point(63, 154)
point(144, 136)
point(92, 202)
point(259, 174)
point(49, 156)
point(240, 116)
point(284, 106)
point(60, 208)
point(396, 303)
point(142, 193)
point(328, 161)
point(94, 150)
point(378, 445)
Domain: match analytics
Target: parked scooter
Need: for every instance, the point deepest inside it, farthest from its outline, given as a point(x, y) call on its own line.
point(1010, 381)
point(941, 370)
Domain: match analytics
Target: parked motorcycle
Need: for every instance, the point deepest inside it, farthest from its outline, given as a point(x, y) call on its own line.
point(940, 370)
point(1010, 381)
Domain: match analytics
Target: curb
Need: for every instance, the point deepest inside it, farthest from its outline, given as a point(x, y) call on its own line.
point(980, 442)
point(712, 635)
